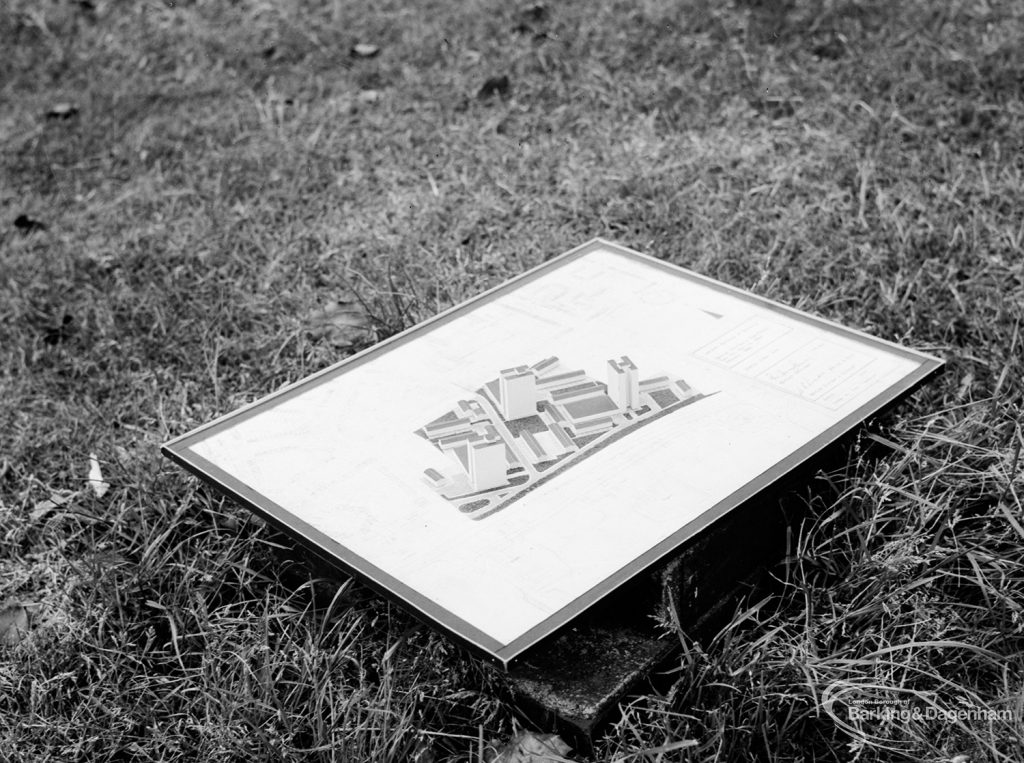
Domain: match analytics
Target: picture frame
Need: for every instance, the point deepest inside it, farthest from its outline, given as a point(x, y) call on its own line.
point(502, 466)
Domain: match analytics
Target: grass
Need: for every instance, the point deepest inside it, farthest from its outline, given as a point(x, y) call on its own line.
point(231, 172)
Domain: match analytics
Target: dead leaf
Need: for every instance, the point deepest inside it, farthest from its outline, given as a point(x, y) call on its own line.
point(535, 12)
point(13, 624)
point(424, 751)
point(493, 86)
point(527, 747)
point(342, 323)
point(44, 507)
point(62, 111)
point(26, 224)
point(965, 386)
point(123, 456)
point(96, 482)
point(832, 47)
point(364, 50)
point(54, 335)
point(530, 16)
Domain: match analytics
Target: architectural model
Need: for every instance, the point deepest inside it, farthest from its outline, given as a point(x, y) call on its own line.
point(532, 422)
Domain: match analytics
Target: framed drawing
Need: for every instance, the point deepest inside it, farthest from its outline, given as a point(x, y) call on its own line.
point(504, 465)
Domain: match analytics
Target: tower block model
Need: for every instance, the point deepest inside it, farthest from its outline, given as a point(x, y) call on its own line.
point(487, 464)
point(518, 393)
point(623, 383)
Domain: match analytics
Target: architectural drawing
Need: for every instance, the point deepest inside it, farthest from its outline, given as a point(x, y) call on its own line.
point(532, 422)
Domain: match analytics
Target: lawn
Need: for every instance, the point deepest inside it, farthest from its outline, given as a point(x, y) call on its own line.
point(202, 201)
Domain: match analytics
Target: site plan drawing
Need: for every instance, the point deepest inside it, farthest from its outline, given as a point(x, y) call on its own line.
point(502, 466)
point(532, 422)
